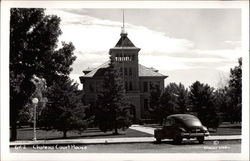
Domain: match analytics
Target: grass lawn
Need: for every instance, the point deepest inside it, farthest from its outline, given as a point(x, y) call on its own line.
point(27, 134)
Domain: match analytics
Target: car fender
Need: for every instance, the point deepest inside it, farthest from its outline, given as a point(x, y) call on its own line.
point(158, 133)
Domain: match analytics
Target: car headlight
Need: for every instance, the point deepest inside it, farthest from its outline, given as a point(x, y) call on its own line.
point(205, 128)
point(182, 129)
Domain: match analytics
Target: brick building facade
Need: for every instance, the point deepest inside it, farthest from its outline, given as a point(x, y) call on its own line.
point(138, 79)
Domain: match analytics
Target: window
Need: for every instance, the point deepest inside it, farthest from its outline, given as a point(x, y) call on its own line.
point(154, 85)
point(146, 104)
point(123, 58)
point(151, 85)
point(126, 85)
point(145, 86)
point(130, 86)
point(120, 70)
point(125, 71)
point(169, 122)
point(130, 71)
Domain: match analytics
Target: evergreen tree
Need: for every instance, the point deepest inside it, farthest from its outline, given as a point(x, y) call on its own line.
point(174, 99)
point(155, 106)
point(168, 102)
point(222, 103)
point(112, 109)
point(65, 111)
point(202, 99)
point(155, 94)
point(33, 51)
point(182, 99)
point(169, 98)
point(235, 92)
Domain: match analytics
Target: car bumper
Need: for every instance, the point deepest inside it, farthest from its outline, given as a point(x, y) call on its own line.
point(190, 135)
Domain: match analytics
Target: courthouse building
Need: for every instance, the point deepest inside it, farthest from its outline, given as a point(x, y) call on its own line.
point(138, 79)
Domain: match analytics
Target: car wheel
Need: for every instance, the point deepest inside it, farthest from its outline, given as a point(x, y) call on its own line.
point(158, 140)
point(178, 140)
point(200, 139)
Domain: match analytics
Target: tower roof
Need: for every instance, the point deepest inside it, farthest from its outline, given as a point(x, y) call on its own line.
point(124, 41)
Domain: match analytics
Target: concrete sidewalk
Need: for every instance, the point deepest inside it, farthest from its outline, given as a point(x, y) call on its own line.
point(112, 140)
point(148, 130)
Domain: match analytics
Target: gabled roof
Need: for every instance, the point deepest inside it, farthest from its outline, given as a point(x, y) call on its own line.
point(98, 71)
point(148, 72)
point(88, 69)
point(124, 42)
point(143, 71)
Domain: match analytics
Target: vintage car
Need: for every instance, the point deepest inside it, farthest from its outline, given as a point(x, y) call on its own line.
point(181, 126)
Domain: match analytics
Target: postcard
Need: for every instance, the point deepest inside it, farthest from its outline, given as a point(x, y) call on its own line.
point(124, 80)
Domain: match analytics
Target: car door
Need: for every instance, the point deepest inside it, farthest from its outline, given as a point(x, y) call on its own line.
point(169, 128)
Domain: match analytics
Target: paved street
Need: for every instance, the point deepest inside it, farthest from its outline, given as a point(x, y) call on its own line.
point(212, 144)
point(165, 147)
point(140, 128)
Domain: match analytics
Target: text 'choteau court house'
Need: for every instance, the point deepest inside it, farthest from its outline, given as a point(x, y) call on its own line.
point(138, 79)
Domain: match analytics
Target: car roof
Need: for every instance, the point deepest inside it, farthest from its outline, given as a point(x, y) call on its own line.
point(182, 116)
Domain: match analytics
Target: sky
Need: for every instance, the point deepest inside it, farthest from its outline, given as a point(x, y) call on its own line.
point(184, 44)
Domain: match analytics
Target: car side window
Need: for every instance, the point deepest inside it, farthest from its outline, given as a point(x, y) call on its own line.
point(169, 122)
point(172, 122)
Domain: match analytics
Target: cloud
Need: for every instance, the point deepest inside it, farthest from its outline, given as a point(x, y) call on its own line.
point(75, 11)
point(85, 60)
point(211, 64)
point(90, 34)
point(213, 77)
point(235, 44)
point(93, 37)
point(163, 63)
point(194, 54)
point(230, 54)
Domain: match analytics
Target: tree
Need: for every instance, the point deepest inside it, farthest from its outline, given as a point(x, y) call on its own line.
point(182, 99)
point(174, 99)
point(235, 92)
point(155, 107)
point(25, 114)
point(112, 109)
point(33, 51)
point(65, 111)
point(167, 102)
point(222, 103)
point(169, 98)
point(202, 99)
point(155, 95)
